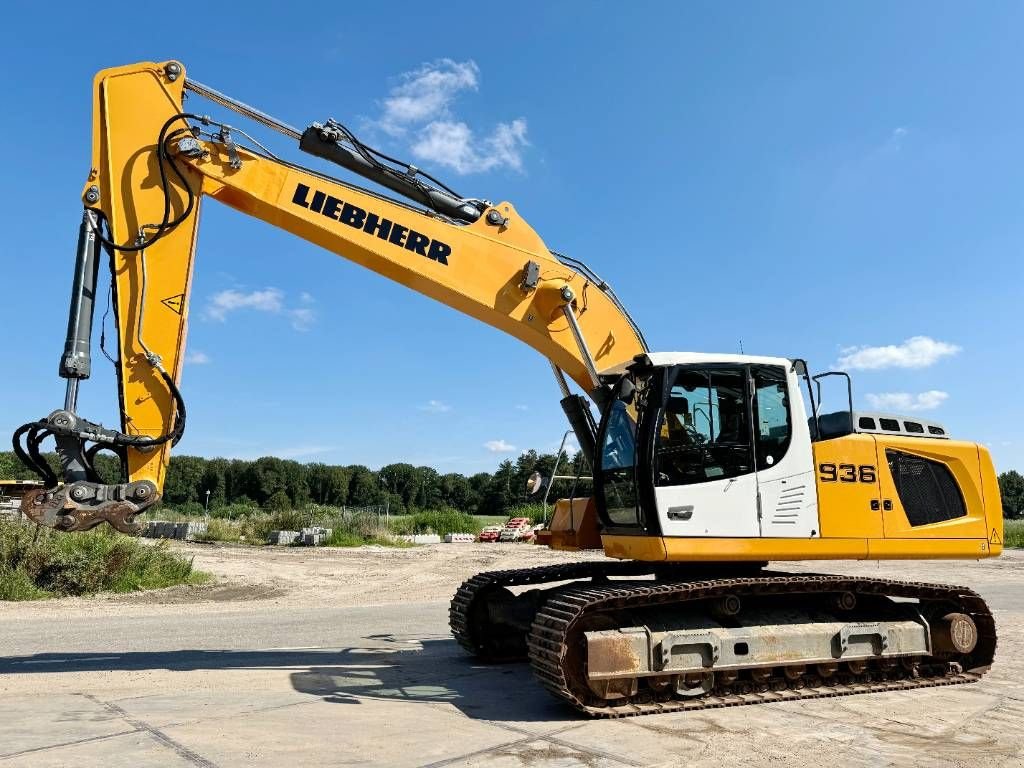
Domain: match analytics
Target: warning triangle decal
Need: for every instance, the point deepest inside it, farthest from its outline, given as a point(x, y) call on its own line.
point(174, 303)
point(994, 538)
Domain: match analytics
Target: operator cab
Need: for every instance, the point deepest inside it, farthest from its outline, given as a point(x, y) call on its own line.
point(706, 446)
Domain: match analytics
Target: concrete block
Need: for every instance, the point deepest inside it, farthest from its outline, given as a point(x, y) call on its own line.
point(421, 538)
point(283, 538)
point(188, 531)
point(159, 529)
point(459, 538)
point(315, 535)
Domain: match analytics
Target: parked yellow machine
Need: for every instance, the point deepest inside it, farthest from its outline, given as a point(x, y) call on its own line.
point(705, 466)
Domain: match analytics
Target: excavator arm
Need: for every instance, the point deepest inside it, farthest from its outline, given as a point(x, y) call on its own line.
point(154, 163)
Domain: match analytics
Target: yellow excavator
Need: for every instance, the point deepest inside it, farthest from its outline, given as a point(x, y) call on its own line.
point(705, 467)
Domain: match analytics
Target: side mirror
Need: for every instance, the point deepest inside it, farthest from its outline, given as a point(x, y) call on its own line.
point(535, 483)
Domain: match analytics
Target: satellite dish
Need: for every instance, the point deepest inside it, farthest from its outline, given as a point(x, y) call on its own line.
point(535, 483)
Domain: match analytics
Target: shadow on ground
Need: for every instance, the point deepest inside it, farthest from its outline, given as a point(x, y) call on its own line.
point(387, 667)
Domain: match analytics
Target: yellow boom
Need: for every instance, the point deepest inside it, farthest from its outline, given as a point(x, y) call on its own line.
point(496, 269)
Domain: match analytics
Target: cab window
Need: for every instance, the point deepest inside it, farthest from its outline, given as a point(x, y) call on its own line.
point(704, 431)
point(772, 415)
point(617, 466)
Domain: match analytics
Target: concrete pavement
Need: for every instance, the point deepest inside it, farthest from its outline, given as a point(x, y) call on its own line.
point(268, 684)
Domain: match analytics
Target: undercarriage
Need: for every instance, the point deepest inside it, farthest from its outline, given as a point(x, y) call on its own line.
point(617, 639)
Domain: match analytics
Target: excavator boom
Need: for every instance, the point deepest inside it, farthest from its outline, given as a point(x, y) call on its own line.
point(154, 164)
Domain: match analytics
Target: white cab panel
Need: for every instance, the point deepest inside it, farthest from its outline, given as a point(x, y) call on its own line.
point(788, 493)
point(715, 508)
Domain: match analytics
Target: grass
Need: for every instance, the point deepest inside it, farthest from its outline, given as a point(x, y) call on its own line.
point(439, 521)
point(1013, 533)
point(39, 563)
point(352, 529)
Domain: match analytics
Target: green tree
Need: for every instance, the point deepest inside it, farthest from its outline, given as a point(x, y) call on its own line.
point(402, 480)
point(264, 477)
point(295, 482)
point(214, 480)
point(428, 493)
point(457, 492)
point(1011, 488)
point(12, 469)
point(364, 490)
point(328, 484)
point(497, 496)
point(278, 502)
point(184, 476)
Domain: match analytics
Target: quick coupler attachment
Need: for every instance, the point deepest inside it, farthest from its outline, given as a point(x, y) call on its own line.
point(77, 499)
point(83, 505)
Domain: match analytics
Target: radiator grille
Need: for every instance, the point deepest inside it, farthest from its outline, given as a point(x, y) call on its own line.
point(927, 489)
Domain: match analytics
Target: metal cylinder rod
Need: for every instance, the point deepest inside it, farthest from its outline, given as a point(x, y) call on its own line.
point(560, 378)
point(71, 395)
point(581, 342)
point(76, 362)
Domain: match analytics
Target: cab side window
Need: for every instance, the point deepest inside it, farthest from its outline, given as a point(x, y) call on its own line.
point(773, 423)
point(704, 432)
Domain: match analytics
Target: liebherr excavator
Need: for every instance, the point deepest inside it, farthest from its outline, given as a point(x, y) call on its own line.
point(705, 466)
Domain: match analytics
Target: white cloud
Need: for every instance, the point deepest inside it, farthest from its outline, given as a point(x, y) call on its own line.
point(895, 141)
point(905, 401)
point(302, 318)
point(420, 108)
point(915, 352)
point(453, 144)
point(269, 300)
point(427, 93)
point(522, 407)
point(225, 302)
point(197, 358)
point(435, 406)
point(499, 446)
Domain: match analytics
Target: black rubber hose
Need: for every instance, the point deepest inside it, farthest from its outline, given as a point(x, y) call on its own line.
point(162, 157)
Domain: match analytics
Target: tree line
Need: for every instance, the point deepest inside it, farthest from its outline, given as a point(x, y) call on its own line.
point(273, 483)
point(1011, 489)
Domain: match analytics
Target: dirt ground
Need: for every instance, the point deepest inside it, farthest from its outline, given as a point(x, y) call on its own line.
point(251, 670)
point(356, 576)
point(375, 575)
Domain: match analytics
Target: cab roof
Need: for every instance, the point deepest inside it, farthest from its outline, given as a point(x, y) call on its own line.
point(688, 358)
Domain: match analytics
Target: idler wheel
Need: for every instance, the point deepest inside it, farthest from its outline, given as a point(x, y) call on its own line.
point(954, 633)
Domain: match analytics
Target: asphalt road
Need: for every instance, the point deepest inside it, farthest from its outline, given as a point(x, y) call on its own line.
point(277, 683)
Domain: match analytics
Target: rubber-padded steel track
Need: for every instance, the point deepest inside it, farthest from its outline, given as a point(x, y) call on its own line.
point(557, 631)
point(464, 602)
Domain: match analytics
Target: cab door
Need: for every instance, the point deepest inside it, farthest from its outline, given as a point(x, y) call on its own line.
point(787, 498)
point(703, 463)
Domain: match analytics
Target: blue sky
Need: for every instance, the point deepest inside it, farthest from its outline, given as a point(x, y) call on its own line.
point(840, 183)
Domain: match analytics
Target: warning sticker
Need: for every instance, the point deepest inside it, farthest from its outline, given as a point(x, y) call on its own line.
point(174, 303)
point(994, 538)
